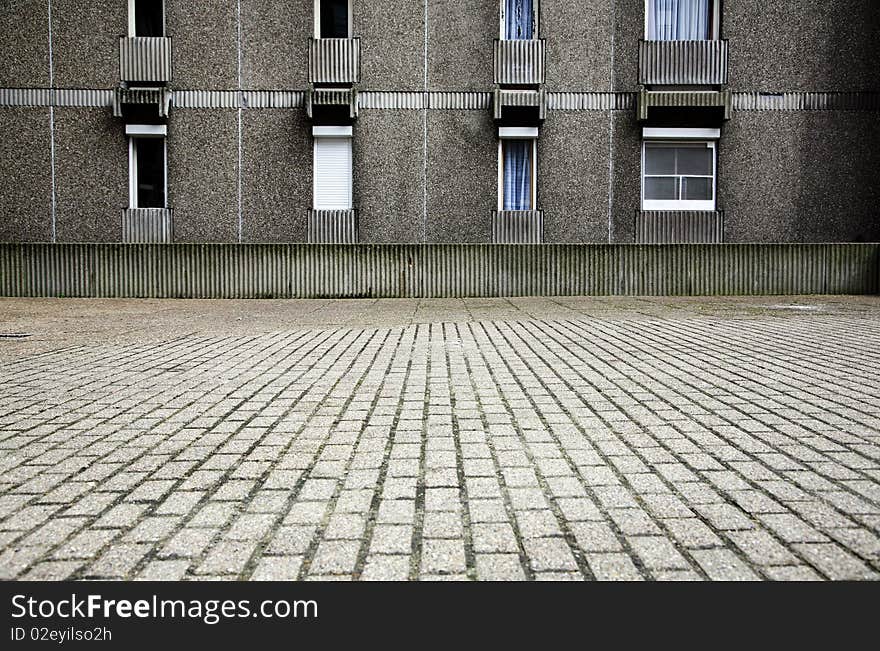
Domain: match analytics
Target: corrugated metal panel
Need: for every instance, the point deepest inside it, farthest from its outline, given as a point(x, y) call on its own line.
point(860, 101)
point(434, 270)
point(591, 101)
point(334, 60)
point(683, 99)
point(272, 99)
point(145, 59)
point(25, 97)
point(519, 61)
point(683, 62)
point(406, 100)
point(333, 227)
point(222, 99)
point(147, 225)
point(459, 100)
point(82, 97)
point(517, 227)
point(679, 227)
point(161, 97)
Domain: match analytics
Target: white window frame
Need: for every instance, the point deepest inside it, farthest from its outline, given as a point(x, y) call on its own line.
point(514, 133)
point(681, 204)
point(536, 7)
point(135, 131)
point(316, 16)
point(714, 27)
point(333, 132)
point(131, 18)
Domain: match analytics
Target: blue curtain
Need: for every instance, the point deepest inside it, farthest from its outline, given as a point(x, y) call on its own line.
point(518, 20)
point(517, 174)
point(678, 20)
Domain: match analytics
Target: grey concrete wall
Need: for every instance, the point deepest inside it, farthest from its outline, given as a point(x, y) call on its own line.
point(91, 175)
point(629, 29)
point(462, 176)
point(205, 41)
point(392, 37)
point(830, 45)
point(460, 44)
point(388, 175)
point(26, 190)
point(800, 177)
point(626, 176)
point(203, 175)
point(276, 175)
point(578, 39)
point(85, 42)
point(24, 32)
point(275, 38)
point(573, 176)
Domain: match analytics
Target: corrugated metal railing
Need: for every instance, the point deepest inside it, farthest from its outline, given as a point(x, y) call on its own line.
point(519, 62)
point(332, 97)
point(683, 62)
point(148, 225)
point(518, 227)
point(145, 59)
point(334, 60)
point(683, 99)
point(333, 227)
point(679, 227)
point(161, 97)
point(519, 98)
point(434, 270)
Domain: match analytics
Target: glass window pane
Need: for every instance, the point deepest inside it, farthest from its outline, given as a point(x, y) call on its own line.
point(659, 160)
point(661, 188)
point(148, 18)
point(334, 18)
point(697, 189)
point(517, 190)
point(678, 20)
point(694, 160)
point(150, 172)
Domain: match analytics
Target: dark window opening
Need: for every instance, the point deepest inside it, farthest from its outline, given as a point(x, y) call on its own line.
point(334, 18)
point(149, 19)
point(150, 154)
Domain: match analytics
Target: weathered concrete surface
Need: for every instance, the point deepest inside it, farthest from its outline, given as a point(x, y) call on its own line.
point(482, 439)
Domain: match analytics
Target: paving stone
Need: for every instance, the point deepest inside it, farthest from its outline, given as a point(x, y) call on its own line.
point(277, 568)
point(835, 562)
point(386, 568)
point(442, 556)
point(723, 565)
point(499, 567)
point(613, 567)
point(548, 554)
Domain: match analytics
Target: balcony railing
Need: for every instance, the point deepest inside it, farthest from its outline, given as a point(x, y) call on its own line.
point(679, 227)
point(519, 63)
point(518, 227)
point(148, 225)
point(683, 62)
point(334, 60)
point(333, 227)
point(688, 99)
point(145, 59)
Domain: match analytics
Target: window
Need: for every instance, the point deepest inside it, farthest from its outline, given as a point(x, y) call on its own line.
point(333, 18)
point(147, 166)
point(519, 19)
point(146, 18)
point(678, 175)
point(516, 172)
point(332, 168)
point(681, 20)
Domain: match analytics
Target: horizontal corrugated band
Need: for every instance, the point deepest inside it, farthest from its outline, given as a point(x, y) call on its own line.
point(414, 100)
point(434, 270)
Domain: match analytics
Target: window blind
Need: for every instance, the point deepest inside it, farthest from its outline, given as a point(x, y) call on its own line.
point(332, 174)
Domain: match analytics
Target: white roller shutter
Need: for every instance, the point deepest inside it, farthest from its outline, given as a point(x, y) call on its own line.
point(332, 174)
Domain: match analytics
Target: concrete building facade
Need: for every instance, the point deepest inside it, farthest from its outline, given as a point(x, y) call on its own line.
point(392, 121)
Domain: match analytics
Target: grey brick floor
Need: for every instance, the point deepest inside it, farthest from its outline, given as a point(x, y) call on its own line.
point(554, 440)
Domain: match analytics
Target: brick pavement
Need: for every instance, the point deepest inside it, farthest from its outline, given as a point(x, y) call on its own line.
point(619, 446)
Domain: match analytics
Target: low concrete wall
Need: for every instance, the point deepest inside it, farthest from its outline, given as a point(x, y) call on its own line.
point(434, 270)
